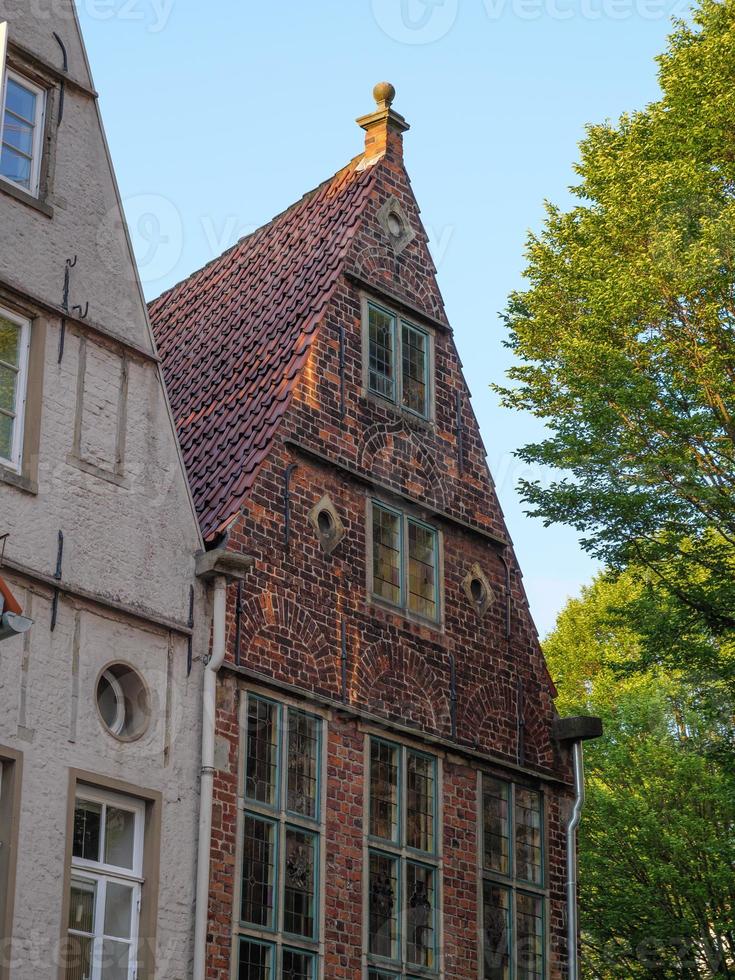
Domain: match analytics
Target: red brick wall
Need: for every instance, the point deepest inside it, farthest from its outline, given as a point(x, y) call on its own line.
point(294, 603)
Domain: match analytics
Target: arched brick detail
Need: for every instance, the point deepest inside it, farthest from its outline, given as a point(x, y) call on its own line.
point(379, 263)
point(397, 441)
point(400, 683)
point(276, 619)
point(490, 715)
point(538, 747)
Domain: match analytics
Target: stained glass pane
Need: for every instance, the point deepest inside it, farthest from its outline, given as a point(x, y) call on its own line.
point(415, 370)
point(420, 802)
point(303, 749)
point(87, 830)
point(261, 764)
point(528, 829)
point(297, 966)
point(422, 570)
point(530, 937)
point(256, 961)
point(496, 811)
point(386, 554)
point(381, 357)
point(119, 837)
point(383, 902)
point(496, 947)
point(258, 872)
point(299, 896)
point(420, 898)
point(384, 769)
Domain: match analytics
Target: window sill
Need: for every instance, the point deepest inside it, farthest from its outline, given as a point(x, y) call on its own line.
point(411, 418)
point(107, 475)
point(17, 480)
point(25, 198)
point(405, 615)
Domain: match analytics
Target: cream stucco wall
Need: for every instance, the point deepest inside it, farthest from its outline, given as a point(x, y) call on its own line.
point(106, 471)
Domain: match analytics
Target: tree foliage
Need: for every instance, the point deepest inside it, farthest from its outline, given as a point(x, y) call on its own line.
point(657, 840)
point(625, 341)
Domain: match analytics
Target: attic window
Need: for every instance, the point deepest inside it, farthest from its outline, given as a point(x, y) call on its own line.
point(399, 358)
point(21, 133)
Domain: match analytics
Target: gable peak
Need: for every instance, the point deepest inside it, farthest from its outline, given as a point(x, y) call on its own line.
point(384, 128)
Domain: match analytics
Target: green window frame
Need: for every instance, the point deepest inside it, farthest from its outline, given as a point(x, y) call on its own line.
point(281, 833)
point(258, 960)
point(399, 359)
point(403, 866)
point(405, 563)
point(514, 888)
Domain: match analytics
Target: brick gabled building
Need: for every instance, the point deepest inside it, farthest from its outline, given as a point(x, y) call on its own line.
point(389, 801)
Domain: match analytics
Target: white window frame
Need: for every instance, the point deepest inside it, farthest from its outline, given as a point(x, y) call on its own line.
point(100, 875)
point(38, 131)
point(21, 391)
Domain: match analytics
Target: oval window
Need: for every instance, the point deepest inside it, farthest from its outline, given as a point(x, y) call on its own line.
point(123, 702)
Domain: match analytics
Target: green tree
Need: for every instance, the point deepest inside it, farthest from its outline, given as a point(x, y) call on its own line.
point(625, 345)
point(657, 840)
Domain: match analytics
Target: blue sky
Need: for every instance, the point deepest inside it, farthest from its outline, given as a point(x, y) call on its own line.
point(222, 113)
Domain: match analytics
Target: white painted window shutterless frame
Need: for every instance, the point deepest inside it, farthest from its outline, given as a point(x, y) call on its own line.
point(21, 128)
point(106, 883)
point(15, 340)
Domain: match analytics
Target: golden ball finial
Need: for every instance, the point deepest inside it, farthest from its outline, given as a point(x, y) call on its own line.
point(384, 94)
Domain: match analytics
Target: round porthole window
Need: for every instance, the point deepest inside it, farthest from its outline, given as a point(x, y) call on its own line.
point(123, 702)
point(325, 522)
point(395, 225)
point(477, 588)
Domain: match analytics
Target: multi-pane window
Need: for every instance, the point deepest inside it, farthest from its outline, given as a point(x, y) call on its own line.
point(280, 843)
point(399, 360)
point(15, 334)
point(402, 875)
point(405, 561)
point(513, 899)
point(21, 132)
point(105, 889)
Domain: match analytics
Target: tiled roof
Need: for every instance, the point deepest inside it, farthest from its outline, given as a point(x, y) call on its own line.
point(235, 335)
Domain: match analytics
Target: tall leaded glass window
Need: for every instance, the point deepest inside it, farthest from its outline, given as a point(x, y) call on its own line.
point(399, 357)
point(514, 896)
point(280, 842)
point(405, 562)
point(403, 869)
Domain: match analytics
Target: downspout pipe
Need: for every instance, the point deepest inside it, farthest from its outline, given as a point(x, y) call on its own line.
point(572, 907)
point(217, 567)
point(573, 733)
point(209, 700)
